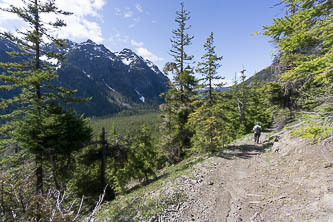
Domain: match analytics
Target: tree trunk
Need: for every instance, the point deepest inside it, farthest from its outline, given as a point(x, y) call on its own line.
point(39, 164)
point(54, 171)
point(146, 178)
point(103, 158)
point(39, 174)
point(210, 91)
point(240, 110)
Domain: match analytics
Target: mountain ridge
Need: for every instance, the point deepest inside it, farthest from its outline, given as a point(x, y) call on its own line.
point(115, 80)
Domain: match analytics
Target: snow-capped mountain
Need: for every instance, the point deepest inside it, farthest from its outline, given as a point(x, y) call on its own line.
point(115, 81)
point(128, 57)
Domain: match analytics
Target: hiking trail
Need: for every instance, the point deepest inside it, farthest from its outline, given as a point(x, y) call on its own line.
point(290, 181)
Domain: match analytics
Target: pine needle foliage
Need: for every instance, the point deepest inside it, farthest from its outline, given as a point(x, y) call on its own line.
point(212, 124)
point(209, 119)
point(305, 41)
point(176, 134)
point(251, 105)
point(33, 121)
point(143, 155)
point(208, 68)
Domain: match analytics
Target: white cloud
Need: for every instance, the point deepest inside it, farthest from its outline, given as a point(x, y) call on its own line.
point(128, 13)
point(78, 28)
point(145, 53)
point(136, 44)
point(82, 29)
point(98, 4)
point(3, 29)
point(9, 21)
point(82, 7)
point(139, 8)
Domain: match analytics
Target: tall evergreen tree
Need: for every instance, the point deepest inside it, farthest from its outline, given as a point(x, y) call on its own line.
point(59, 134)
point(208, 68)
point(31, 77)
point(142, 158)
point(208, 119)
point(184, 79)
point(177, 135)
point(212, 123)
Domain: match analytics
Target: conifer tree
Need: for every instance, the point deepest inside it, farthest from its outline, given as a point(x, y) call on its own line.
point(176, 134)
point(209, 118)
point(208, 68)
point(184, 79)
point(251, 105)
point(304, 40)
point(100, 162)
point(31, 78)
point(142, 157)
point(58, 136)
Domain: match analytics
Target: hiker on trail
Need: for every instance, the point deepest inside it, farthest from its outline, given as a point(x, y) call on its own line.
point(257, 131)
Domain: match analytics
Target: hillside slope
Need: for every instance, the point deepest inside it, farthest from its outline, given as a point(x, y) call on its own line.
point(287, 181)
point(265, 75)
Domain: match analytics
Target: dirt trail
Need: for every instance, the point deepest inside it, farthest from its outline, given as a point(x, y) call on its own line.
point(291, 182)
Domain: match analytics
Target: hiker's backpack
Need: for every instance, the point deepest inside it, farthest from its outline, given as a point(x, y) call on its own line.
point(257, 130)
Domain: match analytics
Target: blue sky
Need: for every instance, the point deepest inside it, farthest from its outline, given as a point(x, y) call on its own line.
point(145, 27)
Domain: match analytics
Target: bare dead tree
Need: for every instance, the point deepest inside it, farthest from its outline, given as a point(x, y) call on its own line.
point(98, 205)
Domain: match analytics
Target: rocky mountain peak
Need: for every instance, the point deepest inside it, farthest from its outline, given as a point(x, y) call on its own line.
point(128, 57)
point(127, 51)
point(89, 41)
point(115, 81)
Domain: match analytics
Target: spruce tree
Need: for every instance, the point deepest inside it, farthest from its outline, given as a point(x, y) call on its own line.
point(99, 162)
point(208, 119)
point(60, 134)
point(176, 133)
point(208, 68)
point(183, 79)
point(142, 157)
point(31, 78)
